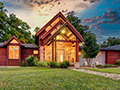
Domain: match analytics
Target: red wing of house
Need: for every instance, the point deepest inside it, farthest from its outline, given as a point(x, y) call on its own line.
point(58, 40)
point(13, 52)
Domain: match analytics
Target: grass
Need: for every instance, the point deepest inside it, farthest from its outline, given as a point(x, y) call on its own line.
point(36, 78)
point(109, 70)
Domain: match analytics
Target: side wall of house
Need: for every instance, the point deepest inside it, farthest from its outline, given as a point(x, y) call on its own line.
point(112, 57)
point(25, 52)
point(100, 59)
point(3, 56)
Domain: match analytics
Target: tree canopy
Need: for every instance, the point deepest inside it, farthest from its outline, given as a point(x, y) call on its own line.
point(11, 25)
point(90, 49)
point(76, 22)
point(36, 29)
point(111, 41)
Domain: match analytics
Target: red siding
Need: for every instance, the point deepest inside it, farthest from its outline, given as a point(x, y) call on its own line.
point(112, 57)
point(26, 52)
point(13, 62)
point(3, 56)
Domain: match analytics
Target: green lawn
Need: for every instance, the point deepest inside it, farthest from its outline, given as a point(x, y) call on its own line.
point(36, 78)
point(109, 70)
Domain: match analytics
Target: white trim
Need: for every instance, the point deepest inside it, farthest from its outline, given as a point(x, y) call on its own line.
point(13, 51)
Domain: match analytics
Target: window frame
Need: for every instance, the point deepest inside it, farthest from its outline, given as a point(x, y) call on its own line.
point(35, 52)
point(14, 52)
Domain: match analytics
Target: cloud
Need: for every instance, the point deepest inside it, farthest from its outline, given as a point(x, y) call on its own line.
point(92, 1)
point(64, 11)
point(71, 13)
point(82, 5)
point(111, 17)
point(39, 12)
point(90, 20)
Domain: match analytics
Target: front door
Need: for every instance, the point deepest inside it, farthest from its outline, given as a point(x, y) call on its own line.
point(60, 55)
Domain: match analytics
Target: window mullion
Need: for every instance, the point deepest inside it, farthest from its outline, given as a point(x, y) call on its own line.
point(14, 52)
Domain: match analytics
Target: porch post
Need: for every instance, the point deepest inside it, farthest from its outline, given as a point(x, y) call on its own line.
point(52, 50)
point(55, 50)
point(40, 44)
point(77, 51)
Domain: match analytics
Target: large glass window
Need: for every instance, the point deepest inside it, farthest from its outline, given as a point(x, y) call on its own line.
point(41, 53)
point(13, 52)
point(66, 51)
point(66, 34)
point(48, 53)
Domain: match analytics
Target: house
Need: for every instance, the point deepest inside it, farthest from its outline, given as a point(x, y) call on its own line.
point(57, 40)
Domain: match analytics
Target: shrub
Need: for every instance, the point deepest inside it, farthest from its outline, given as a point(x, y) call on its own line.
point(118, 62)
point(108, 65)
point(115, 65)
point(53, 64)
point(100, 66)
point(22, 63)
point(65, 64)
point(35, 61)
point(31, 60)
point(42, 63)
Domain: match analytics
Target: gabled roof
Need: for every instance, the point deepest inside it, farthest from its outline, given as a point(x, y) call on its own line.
point(13, 37)
point(74, 31)
point(55, 17)
point(45, 32)
point(44, 35)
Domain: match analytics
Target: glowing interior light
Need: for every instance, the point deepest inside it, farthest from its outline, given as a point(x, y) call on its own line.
point(79, 53)
point(99, 54)
point(58, 37)
point(63, 31)
point(66, 49)
point(72, 51)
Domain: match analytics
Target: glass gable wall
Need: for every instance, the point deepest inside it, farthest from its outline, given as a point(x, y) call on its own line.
point(64, 47)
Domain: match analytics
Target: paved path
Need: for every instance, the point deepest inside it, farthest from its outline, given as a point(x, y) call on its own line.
point(110, 75)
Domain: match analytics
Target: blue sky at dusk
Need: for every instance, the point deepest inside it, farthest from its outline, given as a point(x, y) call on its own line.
point(102, 16)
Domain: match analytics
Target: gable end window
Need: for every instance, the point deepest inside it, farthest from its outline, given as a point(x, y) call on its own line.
point(13, 52)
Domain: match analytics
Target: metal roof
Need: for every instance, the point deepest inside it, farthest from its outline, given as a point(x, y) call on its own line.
point(30, 46)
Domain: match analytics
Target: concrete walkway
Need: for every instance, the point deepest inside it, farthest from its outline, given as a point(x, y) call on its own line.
point(110, 75)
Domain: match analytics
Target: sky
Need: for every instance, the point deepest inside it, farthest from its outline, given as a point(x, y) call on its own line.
point(102, 16)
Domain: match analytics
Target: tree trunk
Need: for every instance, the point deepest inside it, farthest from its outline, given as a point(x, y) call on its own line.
point(88, 60)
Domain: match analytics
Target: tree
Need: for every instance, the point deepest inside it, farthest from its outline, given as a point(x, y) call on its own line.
point(11, 25)
point(75, 21)
point(3, 19)
point(90, 49)
point(111, 41)
point(36, 29)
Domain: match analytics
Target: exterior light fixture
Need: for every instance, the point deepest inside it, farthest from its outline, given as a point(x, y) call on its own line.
point(63, 31)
